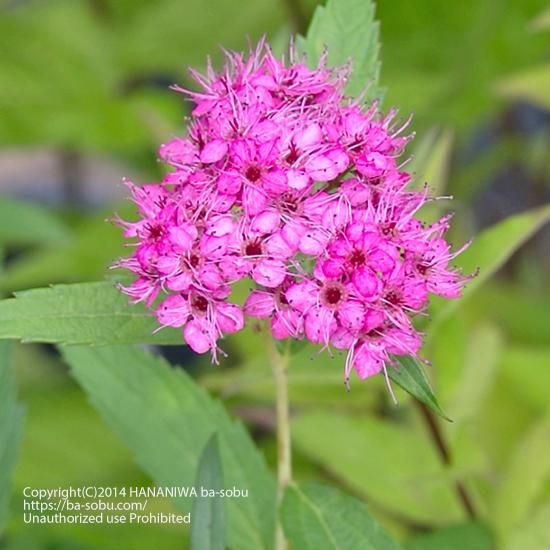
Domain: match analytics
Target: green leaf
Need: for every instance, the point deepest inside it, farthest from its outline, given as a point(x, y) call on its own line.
point(207, 526)
point(489, 252)
point(534, 534)
point(410, 376)
point(166, 419)
point(11, 425)
point(531, 85)
point(472, 536)
point(23, 223)
point(466, 401)
point(523, 479)
point(85, 313)
point(525, 312)
point(395, 466)
point(348, 29)
point(478, 374)
point(316, 517)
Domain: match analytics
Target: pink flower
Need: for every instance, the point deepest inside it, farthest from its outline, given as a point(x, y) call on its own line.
point(325, 306)
point(283, 180)
point(272, 304)
point(203, 320)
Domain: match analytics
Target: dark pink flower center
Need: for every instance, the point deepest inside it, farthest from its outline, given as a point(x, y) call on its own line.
point(200, 304)
point(156, 232)
point(388, 228)
point(194, 260)
point(393, 297)
point(253, 248)
point(357, 144)
point(332, 295)
point(356, 258)
point(289, 203)
point(293, 154)
point(422, 268)
point(253, 173)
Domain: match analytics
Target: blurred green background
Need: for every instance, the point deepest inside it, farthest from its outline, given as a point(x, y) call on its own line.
point(84, 100)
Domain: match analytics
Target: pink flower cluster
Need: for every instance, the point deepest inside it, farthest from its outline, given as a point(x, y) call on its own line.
point(284, 180)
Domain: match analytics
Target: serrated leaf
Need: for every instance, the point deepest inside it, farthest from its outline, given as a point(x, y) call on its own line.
point(411, 377)
point(489, 252)
point(85, 313)
point(394, 466)
point(348, 30)
point(11, 425)
point(316, 517)
point(165, 419)
point(207, 526)
point(23, 223)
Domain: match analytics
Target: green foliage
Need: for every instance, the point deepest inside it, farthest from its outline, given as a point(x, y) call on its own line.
point(526, 369)
point(207, 527)
point(97, 52)
point(471, 536)
point(531, 85)
point(534, 533)
point(431, 166)
point(313, 377)
point(484, 348)
point(10, 429)
point(23, 223)
point(394, 466)
point(431, 160)
point(409, 375)
point(523, 479)
point(488, 375)
point(426, 74)
point(166, 419)
point(542, 21)
point(524, 313)
point(86, 313)
point(77, 259)
point(348, 30)
point(73, 92)
point(79, 450)
point(490, 250)
point(321, 518)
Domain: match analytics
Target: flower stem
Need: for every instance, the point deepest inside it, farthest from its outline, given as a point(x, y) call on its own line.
point(439, 441)
point(279, 364)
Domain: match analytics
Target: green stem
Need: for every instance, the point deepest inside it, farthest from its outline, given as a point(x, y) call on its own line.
point(279, 364)
point(440, 444)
